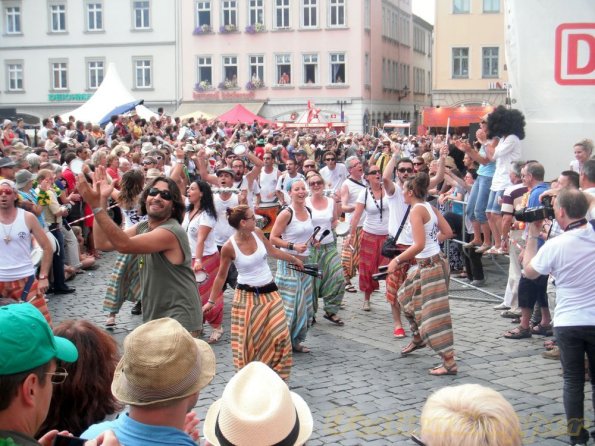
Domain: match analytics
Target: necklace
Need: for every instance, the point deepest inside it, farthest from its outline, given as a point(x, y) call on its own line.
point(7, 238)
point(376, 203)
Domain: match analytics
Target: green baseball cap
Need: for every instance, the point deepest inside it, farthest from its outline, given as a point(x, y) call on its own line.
point(27, 341)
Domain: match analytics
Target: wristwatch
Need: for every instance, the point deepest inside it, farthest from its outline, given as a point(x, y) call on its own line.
point(42, 277)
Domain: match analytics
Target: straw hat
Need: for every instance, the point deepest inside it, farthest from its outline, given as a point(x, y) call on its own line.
point(153, 173)
point(257, 409)
point(162, 362)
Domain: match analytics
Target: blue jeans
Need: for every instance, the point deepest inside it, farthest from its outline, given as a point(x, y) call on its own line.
point(493, 205)
point(574, 342)
point(478, 199)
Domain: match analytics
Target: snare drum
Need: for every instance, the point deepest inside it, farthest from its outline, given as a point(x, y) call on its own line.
point(342, 228)
point(268, 212)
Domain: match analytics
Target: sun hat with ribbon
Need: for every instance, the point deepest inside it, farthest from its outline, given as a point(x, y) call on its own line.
point(258, 409)
point(162, 362)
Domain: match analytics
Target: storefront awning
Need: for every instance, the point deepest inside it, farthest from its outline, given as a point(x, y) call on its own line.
point(459, 116)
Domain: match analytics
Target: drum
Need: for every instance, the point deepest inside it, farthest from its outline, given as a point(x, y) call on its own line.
point(260, 221)
point(268, 212)
point(201, 276)
point(342, 228)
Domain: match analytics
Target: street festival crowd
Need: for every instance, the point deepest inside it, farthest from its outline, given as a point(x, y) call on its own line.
point(193, 207)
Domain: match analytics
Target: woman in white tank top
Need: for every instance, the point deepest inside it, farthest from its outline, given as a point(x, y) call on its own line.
point(259, 330)
point(331, 287)
point(424, 294)
point(291, 232)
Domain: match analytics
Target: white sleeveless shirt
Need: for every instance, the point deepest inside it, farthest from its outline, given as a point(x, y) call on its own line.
point(253, 269)
point(298, 231)
point(15, 260)
point(432, 247)
point(268, 184)
point(322, 218)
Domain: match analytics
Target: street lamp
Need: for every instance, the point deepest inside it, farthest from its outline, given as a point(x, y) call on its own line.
point(404, 92)
point(341, 104)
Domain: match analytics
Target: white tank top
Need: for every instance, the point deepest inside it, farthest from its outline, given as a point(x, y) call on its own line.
point(15, 260)
point(354, 190)
point(268, 184)
point(322, 218)
point(432, 247)
point(298, 231)
point(223, 231)
point(252, 269)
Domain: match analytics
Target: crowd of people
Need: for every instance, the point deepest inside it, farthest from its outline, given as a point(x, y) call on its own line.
point(193, 207)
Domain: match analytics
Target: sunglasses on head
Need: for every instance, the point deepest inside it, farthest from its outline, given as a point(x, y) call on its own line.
point(405, 169)
point(165, 194)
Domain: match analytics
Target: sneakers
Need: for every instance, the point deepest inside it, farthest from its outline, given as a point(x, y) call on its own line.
point(501, 306)
point(554, 354)
point(137, 309)
point(478, 283)
point(366, 306)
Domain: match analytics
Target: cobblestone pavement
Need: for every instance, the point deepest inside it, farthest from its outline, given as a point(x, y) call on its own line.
point(358, 387)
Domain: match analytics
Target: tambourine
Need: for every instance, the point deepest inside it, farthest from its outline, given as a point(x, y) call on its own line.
point(76, 166)
point(240, 149)
point(201, 276)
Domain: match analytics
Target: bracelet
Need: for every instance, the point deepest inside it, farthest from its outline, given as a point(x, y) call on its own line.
point(97, 210)
point(211, 302)
point(290, 246)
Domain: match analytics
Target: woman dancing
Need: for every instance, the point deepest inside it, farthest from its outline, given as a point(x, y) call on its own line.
point(331, 287)
point(424, 294)
point(199, 221)
point(291, 232)
point(259, 330)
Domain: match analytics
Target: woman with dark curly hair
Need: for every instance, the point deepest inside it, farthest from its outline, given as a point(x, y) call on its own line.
point(85, 398)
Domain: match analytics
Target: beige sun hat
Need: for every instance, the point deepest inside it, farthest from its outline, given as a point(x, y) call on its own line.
point(162, 362)
point(153, 173)
point(258, 409)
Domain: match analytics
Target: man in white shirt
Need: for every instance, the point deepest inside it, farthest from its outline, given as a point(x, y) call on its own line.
point(333, 173)
point(569, 258)
point(587, 180)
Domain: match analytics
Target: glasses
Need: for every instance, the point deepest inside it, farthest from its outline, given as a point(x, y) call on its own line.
point(165, 194)
point(58, 376)
point(418, 163)
point(329, 159)
point(146, 163)
point(312, 166)
point(405, 169)
point(5, 192)
point(250, 218)
point(373, 172)
point(315, 183)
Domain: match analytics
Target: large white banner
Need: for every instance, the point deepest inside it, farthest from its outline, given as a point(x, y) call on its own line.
point(550, 48)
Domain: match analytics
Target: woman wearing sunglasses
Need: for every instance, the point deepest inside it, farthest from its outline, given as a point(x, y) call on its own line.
point(375, 230)
point(291, 232)
point(325, 213)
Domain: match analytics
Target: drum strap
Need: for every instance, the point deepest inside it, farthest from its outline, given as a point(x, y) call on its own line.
point(290, 210)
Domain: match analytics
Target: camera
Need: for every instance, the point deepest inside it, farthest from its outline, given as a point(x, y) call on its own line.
point(536, 213)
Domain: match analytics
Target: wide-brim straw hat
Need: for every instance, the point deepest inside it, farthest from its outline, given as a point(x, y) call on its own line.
point(258, 409)
point(162, 362)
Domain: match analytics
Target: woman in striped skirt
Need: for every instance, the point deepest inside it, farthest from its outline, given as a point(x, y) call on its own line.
point(424, 294)
point(291, 232)
point(199, 221)
point(331, 287)
point(259, 330)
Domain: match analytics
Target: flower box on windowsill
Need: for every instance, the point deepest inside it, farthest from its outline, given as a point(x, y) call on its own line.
point(228, 85)
point(256, 28)
point(227, 29)
point(203, 29)
point(255, 85)
point(203, 87)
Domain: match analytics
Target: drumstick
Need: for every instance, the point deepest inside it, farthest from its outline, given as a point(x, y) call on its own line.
point(316, 229)
point(324, 234)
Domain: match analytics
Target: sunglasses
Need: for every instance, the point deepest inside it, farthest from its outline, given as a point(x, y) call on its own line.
point(5, 192)
point(309, 165)
point(146, 163)
point(418, 163)
point(59, 376)
point(330, 159)
point(250, 218)
point(165, 194)
point(315, 183)
point(373, 172)
point(405, 169)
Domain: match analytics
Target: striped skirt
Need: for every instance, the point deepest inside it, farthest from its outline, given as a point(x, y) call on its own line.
point(123, 283)
point(211, 266)
point(331, 287)
point(349, 257)
point(396, 279)
point(259, 331)
point(424, 299)
point(296, 291)
point(370, 260)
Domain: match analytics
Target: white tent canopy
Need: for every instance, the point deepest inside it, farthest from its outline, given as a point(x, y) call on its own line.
point(110, 94)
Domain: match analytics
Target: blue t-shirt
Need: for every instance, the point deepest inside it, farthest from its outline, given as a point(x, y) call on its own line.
point(132, 433)
point(534, 201)
point(486, 170)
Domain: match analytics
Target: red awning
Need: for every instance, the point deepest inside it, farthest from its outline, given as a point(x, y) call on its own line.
point(459, 116)
point(239, 113)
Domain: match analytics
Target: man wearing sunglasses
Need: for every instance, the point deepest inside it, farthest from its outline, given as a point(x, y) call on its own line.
point(333, 173)
point(168, 286)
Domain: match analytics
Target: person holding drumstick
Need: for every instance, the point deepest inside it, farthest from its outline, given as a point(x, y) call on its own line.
point(325, 214)
point(259, 330)
point(292, 232)
point(199, 221)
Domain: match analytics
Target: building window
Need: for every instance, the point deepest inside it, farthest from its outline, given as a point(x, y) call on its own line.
point(13, 19)
point(460, 6)
point(489, 64)
point(337, 13)
point(309, 13)
point(94, 17)
point(205, 71)
point(59, 76)
point(203, 14)
point(281, 13)
point(256, 12)
point(460, 63)
point(310, 74)
point(257, 70)
point(230, 71)
point(491, 6)
point(143, 75)
point(337, 68)
point(141, 14)
point(15, 77)
point(283, 68)
point(230, 13)
point(58, 18)
point(95, 73)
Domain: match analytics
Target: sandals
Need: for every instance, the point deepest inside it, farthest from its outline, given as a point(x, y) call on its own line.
point(110, 321)
point(215, 335)
point(350, 288)
point(518, 333)
point(334, 319)
point(299, 348)
point(483, 248)
point(444, 370)
point(542, 330)
point(399, 332)
point(412, 346)
point(471, 245)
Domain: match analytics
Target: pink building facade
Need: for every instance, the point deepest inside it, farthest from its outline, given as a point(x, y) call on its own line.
point(355, 59)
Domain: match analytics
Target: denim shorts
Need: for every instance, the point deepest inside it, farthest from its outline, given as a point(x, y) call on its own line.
point(493, 206)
